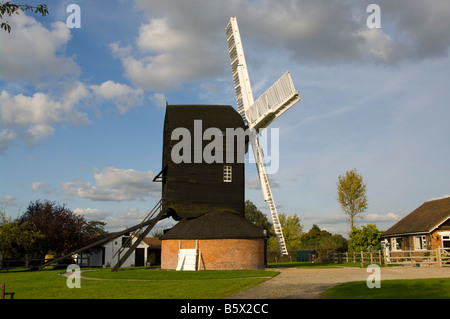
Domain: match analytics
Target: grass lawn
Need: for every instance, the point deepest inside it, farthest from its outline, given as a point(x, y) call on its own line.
point(133, 283)
point(436, 288)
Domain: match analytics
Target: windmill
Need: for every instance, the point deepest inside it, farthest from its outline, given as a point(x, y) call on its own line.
point(260, 113)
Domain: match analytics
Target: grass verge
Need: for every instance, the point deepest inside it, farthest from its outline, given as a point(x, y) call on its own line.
point(435, 288)
point(133, 283)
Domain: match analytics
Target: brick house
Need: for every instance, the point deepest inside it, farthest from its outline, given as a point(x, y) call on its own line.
point(426, 228)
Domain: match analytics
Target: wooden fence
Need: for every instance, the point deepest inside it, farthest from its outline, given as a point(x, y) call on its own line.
point(375, 257)
point(438, 258)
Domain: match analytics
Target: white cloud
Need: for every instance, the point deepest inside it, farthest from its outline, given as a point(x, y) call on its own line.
point(159, 100)
point(91, 213)
point(36, 133)
point(169, 55)
point(373, 218)
point(31, 51)
point(36, 186)
point(7, 200)
point(6, 139)
point(122, 95)
point(438, 197)
point(33, 117)
point(114, 184)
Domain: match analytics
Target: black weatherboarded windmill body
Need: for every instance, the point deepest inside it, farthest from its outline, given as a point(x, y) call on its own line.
point(203, 165)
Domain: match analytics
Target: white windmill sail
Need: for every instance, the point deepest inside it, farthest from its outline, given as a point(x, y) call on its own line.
point(275, 101)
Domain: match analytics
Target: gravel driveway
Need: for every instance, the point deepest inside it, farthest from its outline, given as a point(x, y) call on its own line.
point(299, 283)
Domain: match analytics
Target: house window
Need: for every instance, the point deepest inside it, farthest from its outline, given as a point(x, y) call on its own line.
point(126, 241)
point(420, 242)
point(446, 241)
point(396, 243)
point(227, 172)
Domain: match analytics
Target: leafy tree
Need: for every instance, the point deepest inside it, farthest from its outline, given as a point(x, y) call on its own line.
point(323, 242)
point(94, 227)
point(292, 232)
point(10, 8)
point(361, 239)
point(18, 240)
point(352, 195)
point(256, 217)
point(62, 230)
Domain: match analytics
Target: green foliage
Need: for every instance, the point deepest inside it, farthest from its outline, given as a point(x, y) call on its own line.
point(292, 232)
point(10, 8)
point(62, 230)
point(352, 194)
point(361, 239)
point(256, 217)
point(17, 240)
point(323, 242)
point(292, 229)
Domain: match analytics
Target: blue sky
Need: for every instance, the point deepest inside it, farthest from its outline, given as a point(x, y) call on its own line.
point(82, 109)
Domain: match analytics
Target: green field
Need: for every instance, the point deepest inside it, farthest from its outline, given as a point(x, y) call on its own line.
point(436, 288)
point(144, 283)
point(133, 283)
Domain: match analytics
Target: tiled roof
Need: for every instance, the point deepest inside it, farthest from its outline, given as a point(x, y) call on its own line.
point(424, 219)
point(215, 225)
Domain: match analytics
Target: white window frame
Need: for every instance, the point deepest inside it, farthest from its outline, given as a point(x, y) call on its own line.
point(420, 242)
point(227, 173)
point(394, 244)
point(445, 236)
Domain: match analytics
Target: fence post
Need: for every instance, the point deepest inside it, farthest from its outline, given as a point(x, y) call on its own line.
point(379, 256)
point(362, 259)
point(346, 257)
point(371, 258)
point(438, 256)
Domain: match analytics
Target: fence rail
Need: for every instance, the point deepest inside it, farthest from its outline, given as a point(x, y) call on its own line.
point(439, 257)
point(375, 257)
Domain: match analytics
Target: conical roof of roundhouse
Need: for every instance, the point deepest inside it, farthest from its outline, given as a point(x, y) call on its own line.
point(215, 225)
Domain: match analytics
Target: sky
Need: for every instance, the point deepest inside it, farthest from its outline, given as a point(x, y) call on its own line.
point(82, 109)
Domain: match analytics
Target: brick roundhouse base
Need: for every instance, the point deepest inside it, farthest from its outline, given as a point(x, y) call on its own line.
point(217, 254)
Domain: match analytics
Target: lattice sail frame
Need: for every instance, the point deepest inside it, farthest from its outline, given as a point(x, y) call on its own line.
point(269, 106)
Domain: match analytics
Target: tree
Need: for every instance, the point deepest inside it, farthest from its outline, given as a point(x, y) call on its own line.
point(11, 8)
point(256, 217)
point(62, 230)
point(362, 239)
point(292, 232)
point(94, 227)
point(352, 195)
point(323, 242)
point(18, 240)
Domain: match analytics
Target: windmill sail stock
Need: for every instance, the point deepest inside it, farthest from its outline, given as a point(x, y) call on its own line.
point(260, 113)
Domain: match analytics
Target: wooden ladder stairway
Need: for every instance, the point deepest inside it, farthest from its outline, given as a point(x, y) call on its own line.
point(148, 222)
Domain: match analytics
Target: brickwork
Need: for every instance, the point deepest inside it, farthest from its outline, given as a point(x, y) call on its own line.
point(217, 254)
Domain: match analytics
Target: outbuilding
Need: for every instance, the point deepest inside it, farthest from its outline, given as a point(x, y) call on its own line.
point(426, 228)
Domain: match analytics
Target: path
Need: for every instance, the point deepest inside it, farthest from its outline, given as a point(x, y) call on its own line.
point(301, 283)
